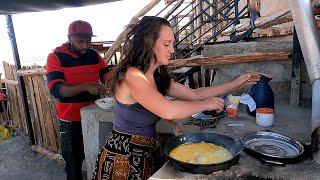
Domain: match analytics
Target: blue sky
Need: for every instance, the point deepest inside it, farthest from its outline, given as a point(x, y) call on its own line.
point(38, 33)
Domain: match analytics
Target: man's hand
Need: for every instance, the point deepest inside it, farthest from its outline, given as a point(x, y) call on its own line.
point(96, 88)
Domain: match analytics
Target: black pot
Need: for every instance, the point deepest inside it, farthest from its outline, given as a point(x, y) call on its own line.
point(234, 147)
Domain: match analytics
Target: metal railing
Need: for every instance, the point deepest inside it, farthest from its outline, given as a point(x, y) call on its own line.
point(206, 22)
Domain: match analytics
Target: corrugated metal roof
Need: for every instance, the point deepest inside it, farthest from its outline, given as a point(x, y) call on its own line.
point(21, 6)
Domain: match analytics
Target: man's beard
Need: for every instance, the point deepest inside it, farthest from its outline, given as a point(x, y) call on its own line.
point(81, 52)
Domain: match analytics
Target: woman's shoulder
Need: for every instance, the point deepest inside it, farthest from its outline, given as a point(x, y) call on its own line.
point(133, 72)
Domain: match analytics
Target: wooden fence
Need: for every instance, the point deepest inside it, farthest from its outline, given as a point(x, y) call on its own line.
point(42, 111)
point(14, 99)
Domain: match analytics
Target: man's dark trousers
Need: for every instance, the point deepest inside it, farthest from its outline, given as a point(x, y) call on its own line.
point(72, 148)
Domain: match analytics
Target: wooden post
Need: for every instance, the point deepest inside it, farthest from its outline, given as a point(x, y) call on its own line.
point(254, 5)
point(120, 39)
point(199, 22)
point(296, 64)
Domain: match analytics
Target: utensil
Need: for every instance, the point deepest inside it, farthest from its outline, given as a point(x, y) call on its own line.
point(207, 119)
point(234, 147)
point(209, 115)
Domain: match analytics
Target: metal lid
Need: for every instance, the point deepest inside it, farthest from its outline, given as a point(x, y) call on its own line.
point(271, 144)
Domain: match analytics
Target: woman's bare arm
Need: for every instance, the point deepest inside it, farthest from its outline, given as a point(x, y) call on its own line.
point(142, 92)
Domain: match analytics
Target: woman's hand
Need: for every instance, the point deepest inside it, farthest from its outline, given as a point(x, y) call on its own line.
point(214, 103)
point(247, 79)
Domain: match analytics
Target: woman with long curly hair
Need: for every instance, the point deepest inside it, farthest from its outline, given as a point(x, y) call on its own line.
point(139, 84)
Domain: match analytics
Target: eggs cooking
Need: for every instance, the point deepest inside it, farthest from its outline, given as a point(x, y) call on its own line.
point(201, 153)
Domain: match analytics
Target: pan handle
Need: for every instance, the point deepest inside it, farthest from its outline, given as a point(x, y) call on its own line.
point(177, 131)
point(272, 162)
point(239, 146)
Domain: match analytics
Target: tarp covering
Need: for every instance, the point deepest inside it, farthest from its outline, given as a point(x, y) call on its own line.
point(5, 133)
point(20, 6)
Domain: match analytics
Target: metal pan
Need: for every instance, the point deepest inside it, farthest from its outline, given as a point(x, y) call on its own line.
point(272, 147)
point(207, 119)
point(209, 115)
point(234, 146)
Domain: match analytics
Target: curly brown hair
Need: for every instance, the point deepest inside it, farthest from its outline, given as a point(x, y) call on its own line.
point(138, 51)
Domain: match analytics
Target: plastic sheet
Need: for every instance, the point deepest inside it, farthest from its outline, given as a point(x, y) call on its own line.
point(5, 133)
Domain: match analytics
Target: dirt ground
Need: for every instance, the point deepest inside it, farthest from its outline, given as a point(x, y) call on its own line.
point(19, 162)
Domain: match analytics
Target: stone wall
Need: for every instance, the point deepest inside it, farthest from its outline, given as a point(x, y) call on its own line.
point(281, 70)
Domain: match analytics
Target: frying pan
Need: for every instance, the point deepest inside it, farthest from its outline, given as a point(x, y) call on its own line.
point(267, 146)
point(273, 148)
point(234, 147)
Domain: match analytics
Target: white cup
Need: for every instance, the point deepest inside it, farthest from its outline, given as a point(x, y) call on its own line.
point(264, 117)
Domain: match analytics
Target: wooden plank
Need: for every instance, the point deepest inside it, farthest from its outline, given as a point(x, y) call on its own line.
point(11, 82)
point(168, 1)
point(230, 59)
point(15, 108)
point(202, 76)
point(20, 106)
point(14, 102)
point(273, 31)
point(20, 103)
point(286, 31)
point(51, 155)
point(9, 91)
point(52, 138)
point(207, 77)
point(120, 39)
point(33, 105)
point(174, 8)
point(41, 116)
point(52, 102)
point(31, 72)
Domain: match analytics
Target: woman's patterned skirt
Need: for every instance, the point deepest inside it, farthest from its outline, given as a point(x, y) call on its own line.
point(125, 157)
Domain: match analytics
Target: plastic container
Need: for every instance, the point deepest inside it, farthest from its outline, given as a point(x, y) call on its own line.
point(232, 110)
point(264, 117)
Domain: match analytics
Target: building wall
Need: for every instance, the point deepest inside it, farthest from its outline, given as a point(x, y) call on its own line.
point(268, 7)
point(280, 70)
